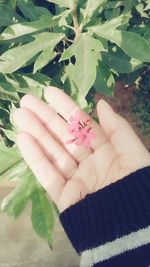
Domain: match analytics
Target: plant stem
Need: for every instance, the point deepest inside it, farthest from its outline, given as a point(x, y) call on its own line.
point(69, 40)
point(75, 20)
point(77, 27)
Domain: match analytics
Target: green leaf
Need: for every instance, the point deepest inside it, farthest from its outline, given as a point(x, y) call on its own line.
point(7, 90)
point(20, 29)
point(9, 158)
point(6, 94)
point(91, 8)
point(45, 57)
point(92, 5)
point(29, 83)
point(3, 107)
point(13, 3)
point(147, 6)
point(12, 83)
point(8, 16)
point(63, 16)
point(71, 88)
point(10, 62)
point(86, 40)
point(16, 201)
point(10, 134)
point(37, 91)
point(26, 83)
point(147, 36)
point(104, 82)
point(83, 73)
point(42, 215)
point(16, 171)
point(39, 78)
point(114, 4)
point(119, 64)
point(10, 3)
point(127, 41)
point(110, 25)
point(113, 13)
point(140, 9)
point(63, 3)
point(31, 11)
point(12, 110)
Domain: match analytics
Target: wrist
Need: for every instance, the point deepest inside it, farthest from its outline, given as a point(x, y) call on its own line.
point(111, 212)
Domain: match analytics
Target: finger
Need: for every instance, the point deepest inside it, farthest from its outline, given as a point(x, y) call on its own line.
point(44, 171)
point(28, 122)
point(48, 116)
point(66, 107)
point(55, 125)
point(119, 130)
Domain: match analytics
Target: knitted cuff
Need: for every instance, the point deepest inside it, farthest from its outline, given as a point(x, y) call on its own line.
point(116, 210)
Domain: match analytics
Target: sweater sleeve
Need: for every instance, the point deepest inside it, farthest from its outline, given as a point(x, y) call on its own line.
point(111, 227)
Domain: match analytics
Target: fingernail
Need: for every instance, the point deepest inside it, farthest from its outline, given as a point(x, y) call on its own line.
point(105, 104)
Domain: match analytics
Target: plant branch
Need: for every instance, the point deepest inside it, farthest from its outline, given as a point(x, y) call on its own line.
point(77, 27)
point(75, 20)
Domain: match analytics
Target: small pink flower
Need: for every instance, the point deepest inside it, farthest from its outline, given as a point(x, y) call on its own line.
point(81, 131)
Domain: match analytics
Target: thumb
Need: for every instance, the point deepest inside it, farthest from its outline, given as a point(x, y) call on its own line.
point(119, 131)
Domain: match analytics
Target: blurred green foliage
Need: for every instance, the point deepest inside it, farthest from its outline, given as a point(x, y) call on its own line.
point(140, 104)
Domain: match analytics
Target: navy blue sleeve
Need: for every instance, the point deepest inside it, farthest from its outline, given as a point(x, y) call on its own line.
point(111, 227)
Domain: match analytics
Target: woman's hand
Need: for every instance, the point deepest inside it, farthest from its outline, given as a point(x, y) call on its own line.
point(69, 172)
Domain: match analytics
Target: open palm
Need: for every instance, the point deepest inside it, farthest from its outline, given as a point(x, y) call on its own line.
point(69, 172)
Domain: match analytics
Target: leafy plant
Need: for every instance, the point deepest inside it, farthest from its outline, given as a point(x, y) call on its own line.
point(82, 46)
point(141, 103)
